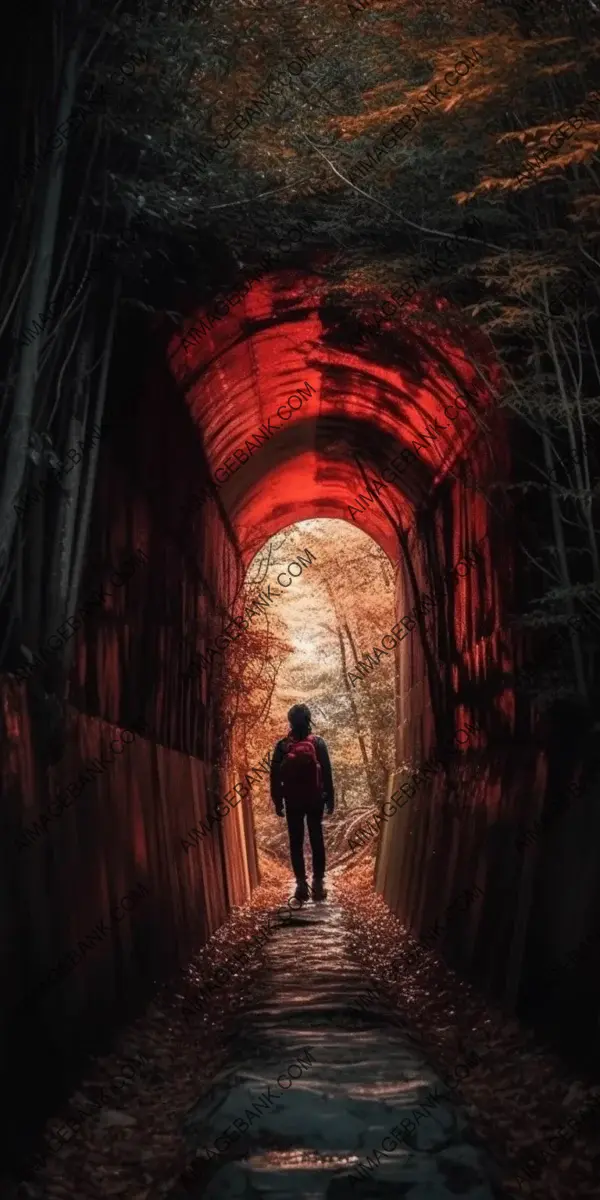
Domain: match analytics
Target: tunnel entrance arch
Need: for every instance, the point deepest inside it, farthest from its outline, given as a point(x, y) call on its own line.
point(302, 418)
point(293, 409)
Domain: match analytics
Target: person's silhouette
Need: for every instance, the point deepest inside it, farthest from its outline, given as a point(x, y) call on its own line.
point(302, 779)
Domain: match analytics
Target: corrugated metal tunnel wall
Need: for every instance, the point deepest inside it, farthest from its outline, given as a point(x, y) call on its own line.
point(65, 872)
point(521, 933)
point(436, 844)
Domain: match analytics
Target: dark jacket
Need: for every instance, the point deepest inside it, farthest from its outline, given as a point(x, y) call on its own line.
point(323, 756)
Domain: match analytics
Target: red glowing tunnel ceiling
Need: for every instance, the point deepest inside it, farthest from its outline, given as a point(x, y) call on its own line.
point(276, 343)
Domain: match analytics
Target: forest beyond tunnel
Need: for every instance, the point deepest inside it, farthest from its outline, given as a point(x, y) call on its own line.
point(214, 367)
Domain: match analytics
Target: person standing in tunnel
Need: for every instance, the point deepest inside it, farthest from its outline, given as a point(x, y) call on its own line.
point(302, 779)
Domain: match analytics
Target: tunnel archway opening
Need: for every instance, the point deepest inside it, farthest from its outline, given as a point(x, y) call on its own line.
point(331, 589)
point(299, 419)
point(288, 388)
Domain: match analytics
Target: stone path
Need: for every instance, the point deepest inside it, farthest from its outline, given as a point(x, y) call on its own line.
point(324, 1128)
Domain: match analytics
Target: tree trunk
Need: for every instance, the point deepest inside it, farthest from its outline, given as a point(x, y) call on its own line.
point(18, 439)
point(64, 524)
point(561, 553)
point(90, 479)
point(361, 740)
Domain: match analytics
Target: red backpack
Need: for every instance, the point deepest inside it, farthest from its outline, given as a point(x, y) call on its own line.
point(301, 771)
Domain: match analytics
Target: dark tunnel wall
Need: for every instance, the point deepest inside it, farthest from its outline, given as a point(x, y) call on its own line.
point(66, 871)
point(478, 827)
point(454, 690)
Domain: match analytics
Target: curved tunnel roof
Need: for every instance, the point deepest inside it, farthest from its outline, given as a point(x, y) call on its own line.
point(364, 406)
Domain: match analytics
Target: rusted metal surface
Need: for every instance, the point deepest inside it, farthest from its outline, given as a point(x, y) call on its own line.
point(498, 784)
point(430, 851)
point(125, 827)
point(240, 373)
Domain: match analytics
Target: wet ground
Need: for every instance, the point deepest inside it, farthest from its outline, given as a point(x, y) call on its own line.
point(324, 1096)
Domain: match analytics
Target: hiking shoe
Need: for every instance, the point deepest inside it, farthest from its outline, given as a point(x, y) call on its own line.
point(302, 892)
point(319, 891)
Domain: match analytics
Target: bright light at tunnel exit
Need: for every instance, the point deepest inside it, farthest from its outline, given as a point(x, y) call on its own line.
point(346, 592)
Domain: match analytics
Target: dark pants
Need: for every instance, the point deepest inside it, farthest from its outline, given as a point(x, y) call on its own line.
point(295, 813)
